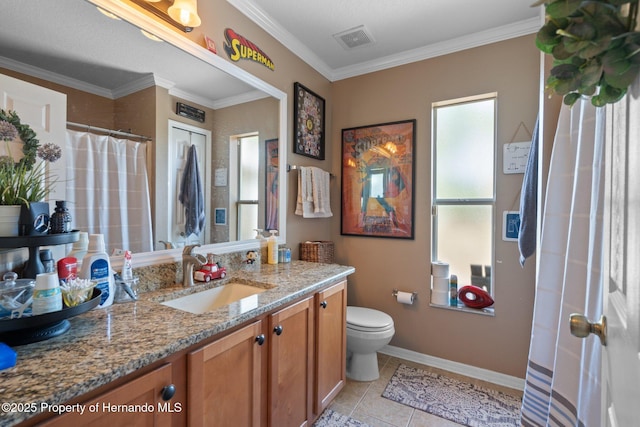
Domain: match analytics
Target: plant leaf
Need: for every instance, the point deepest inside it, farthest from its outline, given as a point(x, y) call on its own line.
point(564, 71)
point(595, 48)
point(615, 62)
point(562, 8)
point(591, 74)
point(560, 52)
point(582, 30)
point(624, 80)
point(608, 95)
point(571, 98)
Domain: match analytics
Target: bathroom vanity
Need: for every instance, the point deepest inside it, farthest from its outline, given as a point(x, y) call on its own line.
point(274, 358)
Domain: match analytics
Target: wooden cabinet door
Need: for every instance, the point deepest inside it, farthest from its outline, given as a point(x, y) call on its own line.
point(331, 345)
point(137, 403)
point(290, 365)
point(224, 380)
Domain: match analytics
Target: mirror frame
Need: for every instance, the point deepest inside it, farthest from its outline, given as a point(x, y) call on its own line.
point(161, 30)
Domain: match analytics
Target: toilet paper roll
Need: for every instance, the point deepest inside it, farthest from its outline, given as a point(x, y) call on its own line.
point(405, 297)
point(440, 269)
point(440, 298)
point(441, 284)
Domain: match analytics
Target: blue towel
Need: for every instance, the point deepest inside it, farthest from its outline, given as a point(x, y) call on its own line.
point(191, 195)
point(529, 201)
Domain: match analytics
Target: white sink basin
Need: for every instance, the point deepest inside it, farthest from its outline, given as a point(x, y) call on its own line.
point(202, 302)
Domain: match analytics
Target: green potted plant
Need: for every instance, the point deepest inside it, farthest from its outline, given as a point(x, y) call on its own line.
point(23, 183)
point(595, 48)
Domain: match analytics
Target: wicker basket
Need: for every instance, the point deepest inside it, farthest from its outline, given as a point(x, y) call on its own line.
point(321, 251)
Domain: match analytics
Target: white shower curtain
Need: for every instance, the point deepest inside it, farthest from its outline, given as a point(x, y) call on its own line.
point(563, 373)
point(108, 190)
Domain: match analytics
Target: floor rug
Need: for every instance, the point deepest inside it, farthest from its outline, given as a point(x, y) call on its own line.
point(454, 400)
point(331, 418)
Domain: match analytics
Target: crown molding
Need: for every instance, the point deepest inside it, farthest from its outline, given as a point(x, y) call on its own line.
point(506, 32)
point(49, 76)
point(134, 86)
point(260, 18)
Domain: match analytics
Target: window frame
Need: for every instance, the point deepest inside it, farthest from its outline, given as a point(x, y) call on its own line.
point(239, 202)
point(491, 202)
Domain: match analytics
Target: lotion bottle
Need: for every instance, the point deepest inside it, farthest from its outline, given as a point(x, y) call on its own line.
point(97, 267)
point(272, 248)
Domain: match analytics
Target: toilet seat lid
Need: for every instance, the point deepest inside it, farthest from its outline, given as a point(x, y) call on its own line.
point(361, 317)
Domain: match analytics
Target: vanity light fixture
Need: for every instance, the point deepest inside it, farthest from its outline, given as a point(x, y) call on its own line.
point(182, 14)
point(185, 12)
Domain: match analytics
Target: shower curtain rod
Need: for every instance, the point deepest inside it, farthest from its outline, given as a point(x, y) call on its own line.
point(109, 131)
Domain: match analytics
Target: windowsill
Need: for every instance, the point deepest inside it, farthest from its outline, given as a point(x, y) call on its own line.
point(489, 311)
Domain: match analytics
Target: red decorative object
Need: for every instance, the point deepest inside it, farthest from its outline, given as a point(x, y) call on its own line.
point(474, 297)
point(209, 272)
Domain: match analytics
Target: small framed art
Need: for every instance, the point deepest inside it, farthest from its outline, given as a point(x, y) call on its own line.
point(510, 226)
point(220, 216)
point(308, 122)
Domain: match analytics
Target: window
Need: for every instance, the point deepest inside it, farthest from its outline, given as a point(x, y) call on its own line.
point(463, 187)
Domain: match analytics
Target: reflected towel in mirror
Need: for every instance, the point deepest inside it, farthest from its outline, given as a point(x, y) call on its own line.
point(191, 195)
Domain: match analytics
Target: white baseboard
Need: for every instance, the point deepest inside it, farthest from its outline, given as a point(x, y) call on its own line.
point(459, 368)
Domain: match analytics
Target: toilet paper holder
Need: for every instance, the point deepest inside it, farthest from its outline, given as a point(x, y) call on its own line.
point(394, 293)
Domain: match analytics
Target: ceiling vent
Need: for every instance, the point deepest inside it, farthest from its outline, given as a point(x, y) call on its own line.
point(355, 37)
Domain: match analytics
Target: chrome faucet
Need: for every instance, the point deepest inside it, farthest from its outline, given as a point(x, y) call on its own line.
point(189, 260)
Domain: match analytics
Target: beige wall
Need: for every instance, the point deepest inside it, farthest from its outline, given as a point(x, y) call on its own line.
point(498, 343)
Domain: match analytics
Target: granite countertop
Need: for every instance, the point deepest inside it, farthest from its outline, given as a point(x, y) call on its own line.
point(105, 344)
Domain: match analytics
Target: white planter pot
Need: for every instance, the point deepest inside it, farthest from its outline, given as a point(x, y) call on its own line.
point(9, 218)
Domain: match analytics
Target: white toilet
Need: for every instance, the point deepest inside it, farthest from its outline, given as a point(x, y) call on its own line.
point(368, 330)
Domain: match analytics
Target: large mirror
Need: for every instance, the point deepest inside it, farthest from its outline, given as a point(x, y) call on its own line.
point(69, 42)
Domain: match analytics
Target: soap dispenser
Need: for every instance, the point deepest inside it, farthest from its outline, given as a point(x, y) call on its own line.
point(263, 243)
point(272, 248)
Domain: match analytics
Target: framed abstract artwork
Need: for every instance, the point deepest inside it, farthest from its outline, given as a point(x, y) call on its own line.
point(308, 123)
point(377, 180)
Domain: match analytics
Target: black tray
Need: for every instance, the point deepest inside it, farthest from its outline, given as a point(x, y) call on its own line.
point(26, 330)
point(39, 240)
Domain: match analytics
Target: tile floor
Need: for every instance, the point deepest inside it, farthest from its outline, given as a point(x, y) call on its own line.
point(364, 402)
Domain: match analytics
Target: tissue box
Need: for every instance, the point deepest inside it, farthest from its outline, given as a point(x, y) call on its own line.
point(318, 251)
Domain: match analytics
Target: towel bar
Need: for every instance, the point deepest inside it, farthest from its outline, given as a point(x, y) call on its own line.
point(295, 167)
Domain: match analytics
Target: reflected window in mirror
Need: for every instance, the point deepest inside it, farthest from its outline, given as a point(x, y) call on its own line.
point(463, 189)
point(246, 168)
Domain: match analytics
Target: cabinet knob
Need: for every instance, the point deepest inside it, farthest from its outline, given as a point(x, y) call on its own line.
point(260, 339)
point(168, 391)
point(323, 304)
point(278, 329)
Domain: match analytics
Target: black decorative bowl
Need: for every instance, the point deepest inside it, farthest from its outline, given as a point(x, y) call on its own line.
point(27, 330)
